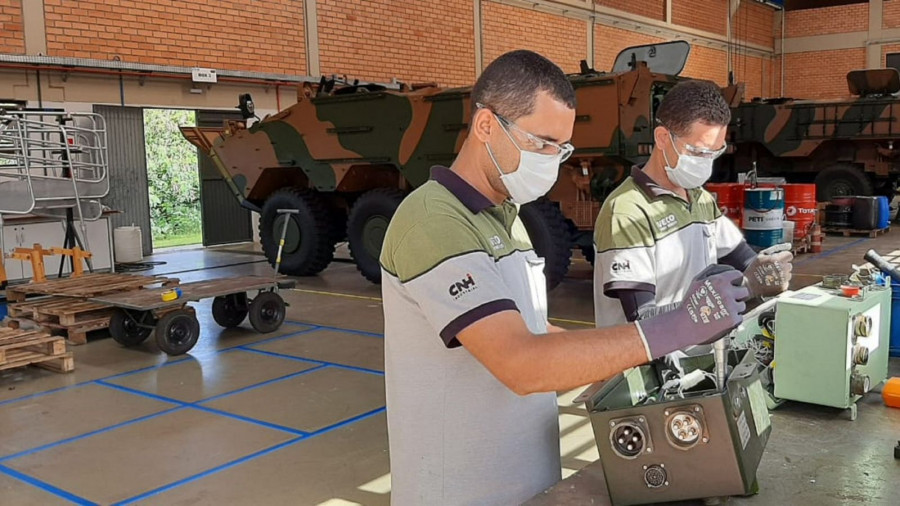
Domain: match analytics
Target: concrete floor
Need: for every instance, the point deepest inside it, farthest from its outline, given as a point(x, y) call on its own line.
point(297, 416)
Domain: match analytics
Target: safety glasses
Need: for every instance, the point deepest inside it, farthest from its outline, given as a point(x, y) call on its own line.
point(699, 151)
point(533, 142)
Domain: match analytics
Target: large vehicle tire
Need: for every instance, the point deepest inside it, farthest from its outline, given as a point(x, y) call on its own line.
point(842, 180)
point(309, 243)
point(366, 226)
point(549, 234)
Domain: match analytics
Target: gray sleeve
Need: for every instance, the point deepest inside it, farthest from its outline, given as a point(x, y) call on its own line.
point(460, 291)
point(739, 258)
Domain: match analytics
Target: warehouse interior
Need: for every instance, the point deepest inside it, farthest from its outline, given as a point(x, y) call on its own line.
point(234, 352)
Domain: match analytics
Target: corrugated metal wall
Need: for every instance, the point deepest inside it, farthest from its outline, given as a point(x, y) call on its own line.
point(128, 186)
point(224, 220)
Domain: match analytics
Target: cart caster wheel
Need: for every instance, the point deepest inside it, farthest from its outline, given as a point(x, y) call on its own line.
point(126, 330)
point(230, 310)
point(177, 332)
point(267, 312)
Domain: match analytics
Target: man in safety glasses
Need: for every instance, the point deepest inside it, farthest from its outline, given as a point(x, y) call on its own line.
point(471, 363)
point(660, 228)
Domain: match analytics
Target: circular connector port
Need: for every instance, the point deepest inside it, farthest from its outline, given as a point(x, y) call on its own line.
point(859, 384)
point(627, 440)
point(684, 429)
point(860, 355)
point(655, 476)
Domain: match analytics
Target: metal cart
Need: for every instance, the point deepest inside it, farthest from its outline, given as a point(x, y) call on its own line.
point(174, 323)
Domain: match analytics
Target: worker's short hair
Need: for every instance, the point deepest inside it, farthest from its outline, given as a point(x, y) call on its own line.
point(691, 101)
point(511, 83)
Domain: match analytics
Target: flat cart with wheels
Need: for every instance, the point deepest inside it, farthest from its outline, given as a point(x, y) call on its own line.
point(142, 312)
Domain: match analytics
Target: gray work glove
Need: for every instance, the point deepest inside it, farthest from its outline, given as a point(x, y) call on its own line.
point(769, 273)
point(711, 308)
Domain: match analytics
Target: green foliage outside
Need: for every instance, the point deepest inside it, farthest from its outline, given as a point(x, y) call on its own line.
point(173, 177)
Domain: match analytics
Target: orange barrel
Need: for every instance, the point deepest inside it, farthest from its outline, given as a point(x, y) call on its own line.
point(730, 197)
point(890, 392)
point(800, 207)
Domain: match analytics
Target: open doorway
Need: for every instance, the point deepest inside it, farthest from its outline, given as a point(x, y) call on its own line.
point(173, 179)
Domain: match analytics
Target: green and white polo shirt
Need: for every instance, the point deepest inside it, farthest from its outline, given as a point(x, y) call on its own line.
point(457, 434)
point(648, 238)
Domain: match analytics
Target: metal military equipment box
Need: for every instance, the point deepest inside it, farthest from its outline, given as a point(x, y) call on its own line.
point(707, 444)
point(831, 349)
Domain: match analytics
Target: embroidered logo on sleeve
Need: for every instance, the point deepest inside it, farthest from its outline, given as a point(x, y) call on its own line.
point(621, 266)
point(462, 287)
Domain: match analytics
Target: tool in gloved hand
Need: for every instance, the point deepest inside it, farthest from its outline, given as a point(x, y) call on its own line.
point(711, 308)
point(769, 273)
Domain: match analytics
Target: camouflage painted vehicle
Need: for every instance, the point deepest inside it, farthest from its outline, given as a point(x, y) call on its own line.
point(346, 154)
point(845, 146)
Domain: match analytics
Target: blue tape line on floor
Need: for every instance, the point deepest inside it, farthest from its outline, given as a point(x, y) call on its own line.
point(832, 252)
point(88, 434)
point(171, 361)
point(339, 329)
point(318, 366)
point(332, 364)
point(248, 458)
point(181, 405)
point(46, 487)
point(226, 414)
point(208, 472)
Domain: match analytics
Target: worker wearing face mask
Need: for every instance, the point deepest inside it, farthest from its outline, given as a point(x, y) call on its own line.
point(471, 363)
point(660, 228)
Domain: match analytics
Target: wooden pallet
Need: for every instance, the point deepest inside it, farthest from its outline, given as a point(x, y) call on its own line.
point(19, 348)
point(76, 334)
point(847, 232)
point(60, 310)
point(90, 285)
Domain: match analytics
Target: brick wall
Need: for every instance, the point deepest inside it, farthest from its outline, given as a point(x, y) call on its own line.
point(888, 48)
point(821, 74)
point(707, 63)
point(504, 28)
point(655, 9)
point(751, 71)
point(608, 41)
point(825, 20)
point(890, 15)
point(413, 41)
point(12, 35)
point(755, 22)
point(256, 35)
point(707, 15)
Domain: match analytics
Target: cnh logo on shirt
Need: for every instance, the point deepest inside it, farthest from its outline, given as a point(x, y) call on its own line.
point(621, 266)
point(460, 288)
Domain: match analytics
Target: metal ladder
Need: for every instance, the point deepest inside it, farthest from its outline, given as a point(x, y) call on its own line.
point(53, 164)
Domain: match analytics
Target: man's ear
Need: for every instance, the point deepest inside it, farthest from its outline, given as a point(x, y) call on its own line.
point(482, 123)
point(661, 136)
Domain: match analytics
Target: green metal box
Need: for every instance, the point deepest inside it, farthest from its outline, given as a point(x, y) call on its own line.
point(707, 444)
point(830, 349)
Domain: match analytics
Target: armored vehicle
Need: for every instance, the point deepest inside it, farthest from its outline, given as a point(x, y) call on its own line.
point(846, 146)
point(346, 154)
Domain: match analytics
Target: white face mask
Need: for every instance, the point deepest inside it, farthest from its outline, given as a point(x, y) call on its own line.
point(533, 178)
point(691, 171)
